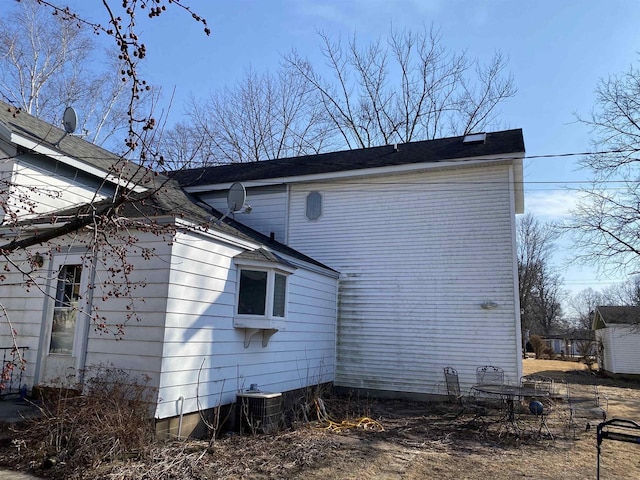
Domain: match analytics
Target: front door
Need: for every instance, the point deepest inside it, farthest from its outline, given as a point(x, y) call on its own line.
point(67, 315)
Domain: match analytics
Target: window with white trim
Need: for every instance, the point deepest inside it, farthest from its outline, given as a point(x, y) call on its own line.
point(65, 311)
point(262, 293)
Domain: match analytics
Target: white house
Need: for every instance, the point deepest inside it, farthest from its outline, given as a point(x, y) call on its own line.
point(205, 311)
point(618, 337)
point(371, 268)
point(423, 235)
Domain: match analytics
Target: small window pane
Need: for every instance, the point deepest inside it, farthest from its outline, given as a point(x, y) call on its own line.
point(314, 205)
point(279, 295)
point(65, 311)
point(253, 292)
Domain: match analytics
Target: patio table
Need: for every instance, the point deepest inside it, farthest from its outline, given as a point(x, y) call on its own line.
point(509, 393)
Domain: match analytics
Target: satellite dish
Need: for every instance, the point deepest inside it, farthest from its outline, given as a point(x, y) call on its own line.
point(70, 120)
point(236, 197)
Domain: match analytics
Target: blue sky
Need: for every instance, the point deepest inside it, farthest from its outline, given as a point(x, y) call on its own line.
point(557, 49)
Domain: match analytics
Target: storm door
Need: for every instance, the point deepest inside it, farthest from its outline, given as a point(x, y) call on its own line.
point(63, 348)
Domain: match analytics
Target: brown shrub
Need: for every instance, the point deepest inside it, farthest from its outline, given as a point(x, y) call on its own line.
point(111, 420)
point(540, 348)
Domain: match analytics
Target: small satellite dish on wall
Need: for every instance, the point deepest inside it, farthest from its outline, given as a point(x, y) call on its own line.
point(236, 197)
point(70, 120)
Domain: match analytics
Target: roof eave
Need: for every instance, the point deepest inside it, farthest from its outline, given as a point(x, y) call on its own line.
point(40, 148)
point(515, 157)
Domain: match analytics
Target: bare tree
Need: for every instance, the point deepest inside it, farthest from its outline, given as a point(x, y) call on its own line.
point(539, 287)
point(48, 63)
point(584, 304)
point(184, 145)
point(108, 225)
point(262, 117)
point(607, 220)
point(624, 293)
point(408, 88)
point(547, 302)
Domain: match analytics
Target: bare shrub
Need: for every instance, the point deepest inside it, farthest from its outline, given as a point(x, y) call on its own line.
point(111, 420)
point(540, 347)
point(585, 350)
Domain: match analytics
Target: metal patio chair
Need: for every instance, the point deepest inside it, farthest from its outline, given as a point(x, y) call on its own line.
point(453, 385)
point(537, 386)
point(489, 375)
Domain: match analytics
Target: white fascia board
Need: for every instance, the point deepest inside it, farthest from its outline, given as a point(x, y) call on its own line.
point(216, 235)
point(363, 172)
point(327, 272)
point(10, 231)
point(72, 162)
point(518, 183)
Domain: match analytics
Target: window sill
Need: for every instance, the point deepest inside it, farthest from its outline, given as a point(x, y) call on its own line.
point(254, 325)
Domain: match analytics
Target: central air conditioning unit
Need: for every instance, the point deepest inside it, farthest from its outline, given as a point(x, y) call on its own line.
point(258, 411)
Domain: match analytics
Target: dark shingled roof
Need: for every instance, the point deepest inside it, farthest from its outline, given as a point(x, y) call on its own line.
point(496, 143)
point(48, 135)
point(620, 315)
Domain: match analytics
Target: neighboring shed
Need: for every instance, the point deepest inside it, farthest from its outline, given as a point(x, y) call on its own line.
point(618, 334)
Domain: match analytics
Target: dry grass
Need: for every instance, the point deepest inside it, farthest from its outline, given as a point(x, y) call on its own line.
point(417, 441)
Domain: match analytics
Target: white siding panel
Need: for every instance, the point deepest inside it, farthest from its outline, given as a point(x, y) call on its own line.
point(22, 312)
point(49, 186)
point(620, 344)
point(204, 358)
point(138, 350)
point(269, 209)
point(418, 254)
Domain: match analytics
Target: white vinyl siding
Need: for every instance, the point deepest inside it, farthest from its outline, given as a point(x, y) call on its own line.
point(268, 209)
point(24, 309)
point(138, 351)
point(620, 343)
point(417, 254)
point(205, 360)
point(50, 187)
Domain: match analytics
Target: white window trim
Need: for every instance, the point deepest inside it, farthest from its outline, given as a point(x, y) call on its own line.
point(267, 321)
point(81, 308)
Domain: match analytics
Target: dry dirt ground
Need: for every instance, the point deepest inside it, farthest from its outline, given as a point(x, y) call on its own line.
point(372, 439)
